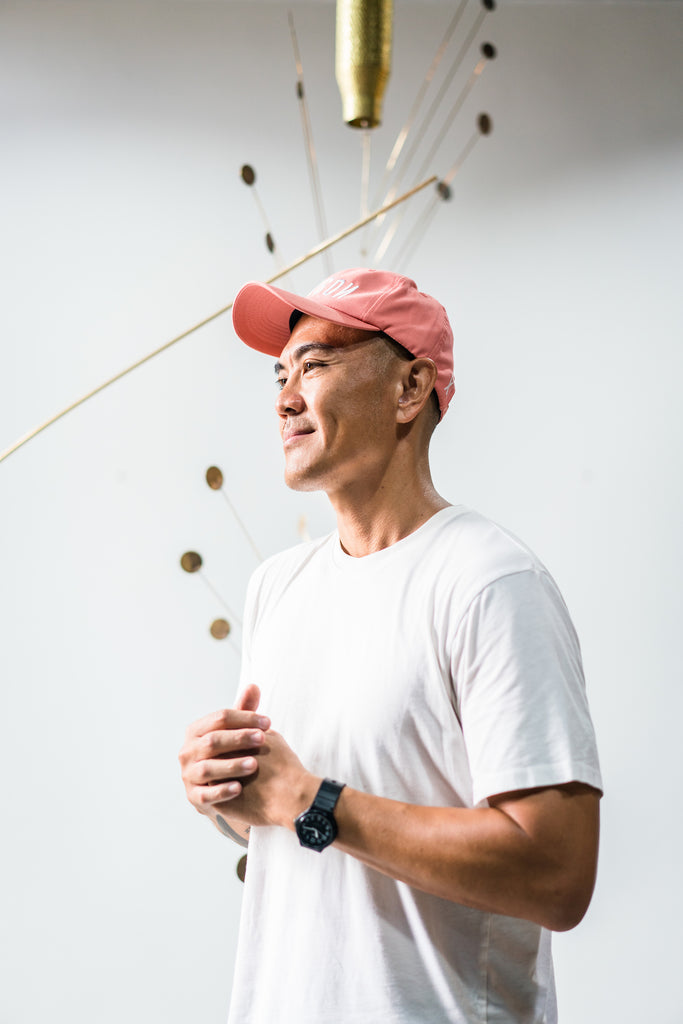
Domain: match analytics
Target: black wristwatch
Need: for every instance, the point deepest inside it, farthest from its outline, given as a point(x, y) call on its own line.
point(316, 826)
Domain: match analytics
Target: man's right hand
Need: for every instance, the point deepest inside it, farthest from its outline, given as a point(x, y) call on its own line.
point(219, 750)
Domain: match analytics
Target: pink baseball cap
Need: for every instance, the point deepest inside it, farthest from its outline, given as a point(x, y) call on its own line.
point(372, 300)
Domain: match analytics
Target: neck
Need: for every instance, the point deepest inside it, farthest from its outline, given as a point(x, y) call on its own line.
point(385, 507)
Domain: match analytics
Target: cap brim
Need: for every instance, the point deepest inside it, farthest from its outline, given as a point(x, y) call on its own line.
point(261, 313)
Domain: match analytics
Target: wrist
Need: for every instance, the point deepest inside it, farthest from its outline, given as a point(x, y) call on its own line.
point(302, 796)
point(316, 826)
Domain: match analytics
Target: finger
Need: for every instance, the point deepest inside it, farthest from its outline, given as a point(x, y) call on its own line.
point(211, 773)
point(221, 743)
point(227, 718)
point(204, 797)
point(249, 699)
point(226, 743)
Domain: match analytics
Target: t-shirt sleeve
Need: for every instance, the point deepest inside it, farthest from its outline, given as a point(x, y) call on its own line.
point(520, 689)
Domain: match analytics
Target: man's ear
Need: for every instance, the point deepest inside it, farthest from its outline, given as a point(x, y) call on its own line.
point(418, 380)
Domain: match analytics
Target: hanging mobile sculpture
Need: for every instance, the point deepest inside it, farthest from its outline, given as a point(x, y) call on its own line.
point(362, 67)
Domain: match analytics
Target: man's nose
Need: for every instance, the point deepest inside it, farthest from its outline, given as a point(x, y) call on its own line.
point(289, 400)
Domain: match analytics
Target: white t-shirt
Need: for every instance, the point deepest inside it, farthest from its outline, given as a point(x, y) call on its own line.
point(439, 671)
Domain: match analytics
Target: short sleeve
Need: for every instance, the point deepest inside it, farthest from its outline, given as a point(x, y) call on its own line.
point(520, 689)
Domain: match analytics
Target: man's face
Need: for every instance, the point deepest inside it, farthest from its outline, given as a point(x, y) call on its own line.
point(336, 404)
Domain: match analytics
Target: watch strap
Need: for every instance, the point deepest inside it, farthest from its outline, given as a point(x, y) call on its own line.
point(327, 796)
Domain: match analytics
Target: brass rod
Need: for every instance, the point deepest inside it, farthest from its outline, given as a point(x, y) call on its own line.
point(311, 157)
point(388, 237)
point(452, 113)
point(366, 147)
point(207, 320)
point(412, 240)
point(365, 188)
point(429, 116)
point(422, 225)
point(354, 227)
point(112, 380)
point(455, 65)
point(417, 103)
point(453, 170)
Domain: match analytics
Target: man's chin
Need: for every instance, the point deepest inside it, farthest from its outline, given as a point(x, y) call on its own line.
point(302, 482)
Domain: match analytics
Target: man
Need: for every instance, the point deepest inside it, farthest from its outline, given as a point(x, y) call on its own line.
point(427, 810)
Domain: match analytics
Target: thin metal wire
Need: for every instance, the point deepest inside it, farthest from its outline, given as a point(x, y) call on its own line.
point(423, 224)
point(417, 103)
point(452, 114)
point(388, 238)
point(277, 255)
point(219, 597)
point(312, 159)
point(418, 232)
point(316, 251)
point(366, 140)
point(241, 524)
point(467, 149)
point(429, 116)
point(364, 189)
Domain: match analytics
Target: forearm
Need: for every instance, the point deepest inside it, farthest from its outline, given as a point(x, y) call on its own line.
point(475, 857)
point(531, 854)
point(483, 857)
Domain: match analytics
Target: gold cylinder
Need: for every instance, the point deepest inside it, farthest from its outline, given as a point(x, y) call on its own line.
point(363, 58)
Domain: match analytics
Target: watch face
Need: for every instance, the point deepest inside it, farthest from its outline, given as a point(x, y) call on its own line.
point(315, 830)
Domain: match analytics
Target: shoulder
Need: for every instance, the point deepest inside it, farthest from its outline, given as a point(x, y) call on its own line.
point(275, 574)
point(478, 549)
point(472, 562)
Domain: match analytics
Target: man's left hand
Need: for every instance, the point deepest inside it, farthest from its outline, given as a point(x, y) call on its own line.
point(277, 792)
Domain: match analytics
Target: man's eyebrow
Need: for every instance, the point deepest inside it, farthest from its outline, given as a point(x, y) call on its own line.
point(303, 349)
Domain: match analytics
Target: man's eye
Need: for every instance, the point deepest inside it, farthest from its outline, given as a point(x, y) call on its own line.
point(310, 364)
point(280, 383)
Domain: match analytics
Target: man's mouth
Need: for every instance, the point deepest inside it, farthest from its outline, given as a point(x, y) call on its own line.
point(290, 436)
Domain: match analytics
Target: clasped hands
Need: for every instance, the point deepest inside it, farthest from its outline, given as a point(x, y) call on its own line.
point(235, 765)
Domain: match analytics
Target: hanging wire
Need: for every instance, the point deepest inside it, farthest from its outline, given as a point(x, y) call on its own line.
point(311, 157)
point(219, 597)
point(443, 194)
point(215, 479)
point(192, 562)
point(404, 163)
point(488, 52)
point(366, 140)
point(417, 103)
point(248, 176)
point(241, 525)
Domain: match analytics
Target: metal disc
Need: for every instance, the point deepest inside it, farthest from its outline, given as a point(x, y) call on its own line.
point(488, 50)
point(484, 124)
point(248, 174)
point(444, 190)
point(214, 478)
point(241, 867)
point(270, 244)
point(220, 628)
point(191, 561)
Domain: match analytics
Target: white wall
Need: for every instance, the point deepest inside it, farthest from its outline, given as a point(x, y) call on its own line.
point(125, 221)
